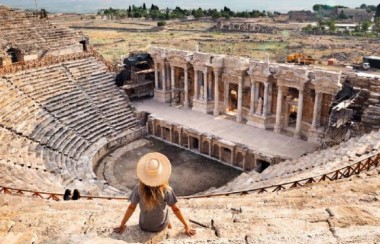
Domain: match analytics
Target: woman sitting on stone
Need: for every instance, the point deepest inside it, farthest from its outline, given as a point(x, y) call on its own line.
point(153, 194)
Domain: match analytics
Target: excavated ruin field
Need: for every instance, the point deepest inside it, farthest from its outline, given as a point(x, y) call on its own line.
point(113, 38)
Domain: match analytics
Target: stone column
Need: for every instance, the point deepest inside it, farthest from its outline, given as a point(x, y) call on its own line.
point(226, 96)
point(155, 76)
point(188, 141)
point(195, 84)
point(153, 128)
point(297, 133)
point(277, 127)
point(265, 103)
point(209, 79)
point(252, 103)
point(171, 134)
point(186, 102)
point(216, 94)
point(239, 117)
point(244, 160)
point(163, 77)
point(205, 97)
point(256, 97)
point(317, 111)
point(232, 156)
point(179, 136)
point(286, 116)
point(172, 77)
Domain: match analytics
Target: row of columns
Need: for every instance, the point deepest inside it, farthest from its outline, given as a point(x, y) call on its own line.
point(316, 112)
point(196, 85)
point(172, 80)
point(253, 101)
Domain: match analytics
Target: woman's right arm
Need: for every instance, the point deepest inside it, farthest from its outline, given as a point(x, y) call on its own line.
point(127, 215)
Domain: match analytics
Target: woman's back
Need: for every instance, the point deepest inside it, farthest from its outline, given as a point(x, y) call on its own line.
point(153, 218)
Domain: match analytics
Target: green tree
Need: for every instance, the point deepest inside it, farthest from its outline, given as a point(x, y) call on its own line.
point(357, 28)
point(377, 11)
point(308, 28)
point(331, 25)
point(198, 13)
point(365, 25)
point(371, 8)
point(161, 23)
point(342, 15)
point(216, 15)
point(363, 6)
point(317, 7)
point(376, 26)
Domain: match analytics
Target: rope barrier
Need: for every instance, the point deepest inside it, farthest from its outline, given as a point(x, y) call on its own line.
point(365, 164)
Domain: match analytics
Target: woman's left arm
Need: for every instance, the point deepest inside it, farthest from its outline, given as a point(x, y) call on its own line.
point(127, 215)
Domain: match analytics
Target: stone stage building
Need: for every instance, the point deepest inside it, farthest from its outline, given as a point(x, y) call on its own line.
point(289, 99)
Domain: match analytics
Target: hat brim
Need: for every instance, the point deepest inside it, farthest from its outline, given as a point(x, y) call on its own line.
point(158, 179)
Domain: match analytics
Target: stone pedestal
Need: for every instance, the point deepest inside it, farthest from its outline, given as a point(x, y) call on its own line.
point(314, 135)
point(262, 122)
point(203, 106)
point(162, 96)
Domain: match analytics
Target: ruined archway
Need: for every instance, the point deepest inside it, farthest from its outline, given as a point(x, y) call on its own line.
point(215, 151)
point(14, 54)
point(261, 165)
point(239, 160)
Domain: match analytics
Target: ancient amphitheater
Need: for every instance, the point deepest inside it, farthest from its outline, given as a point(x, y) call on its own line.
point(61, 114)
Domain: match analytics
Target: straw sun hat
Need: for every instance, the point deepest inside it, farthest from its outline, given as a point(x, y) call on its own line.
point(154, 169)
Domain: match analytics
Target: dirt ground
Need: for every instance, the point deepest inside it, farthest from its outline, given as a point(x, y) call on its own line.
point(191, 173)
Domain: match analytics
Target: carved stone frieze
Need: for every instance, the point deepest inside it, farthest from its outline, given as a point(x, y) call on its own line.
point(326, 82)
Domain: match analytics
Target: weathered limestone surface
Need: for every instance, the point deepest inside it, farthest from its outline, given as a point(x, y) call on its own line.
point(346, 211)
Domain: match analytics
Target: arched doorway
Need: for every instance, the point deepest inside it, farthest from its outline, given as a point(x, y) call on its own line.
point(15, 54)
point(239, 160)
point(215, 151)
point(84, 43)
point(261, 165)
point(232, 99)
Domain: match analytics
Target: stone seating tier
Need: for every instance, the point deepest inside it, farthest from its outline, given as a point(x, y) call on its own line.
point(33, 34)
point(51, 121)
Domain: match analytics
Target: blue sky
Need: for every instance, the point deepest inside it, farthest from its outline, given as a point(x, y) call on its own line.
point(93, 5)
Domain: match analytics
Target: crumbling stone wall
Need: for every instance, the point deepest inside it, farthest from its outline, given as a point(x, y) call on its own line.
point(367, 103)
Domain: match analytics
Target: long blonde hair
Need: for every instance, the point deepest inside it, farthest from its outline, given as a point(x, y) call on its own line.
point(152, 195)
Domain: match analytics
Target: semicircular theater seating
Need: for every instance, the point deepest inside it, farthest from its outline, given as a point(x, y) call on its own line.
point(54, 119)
